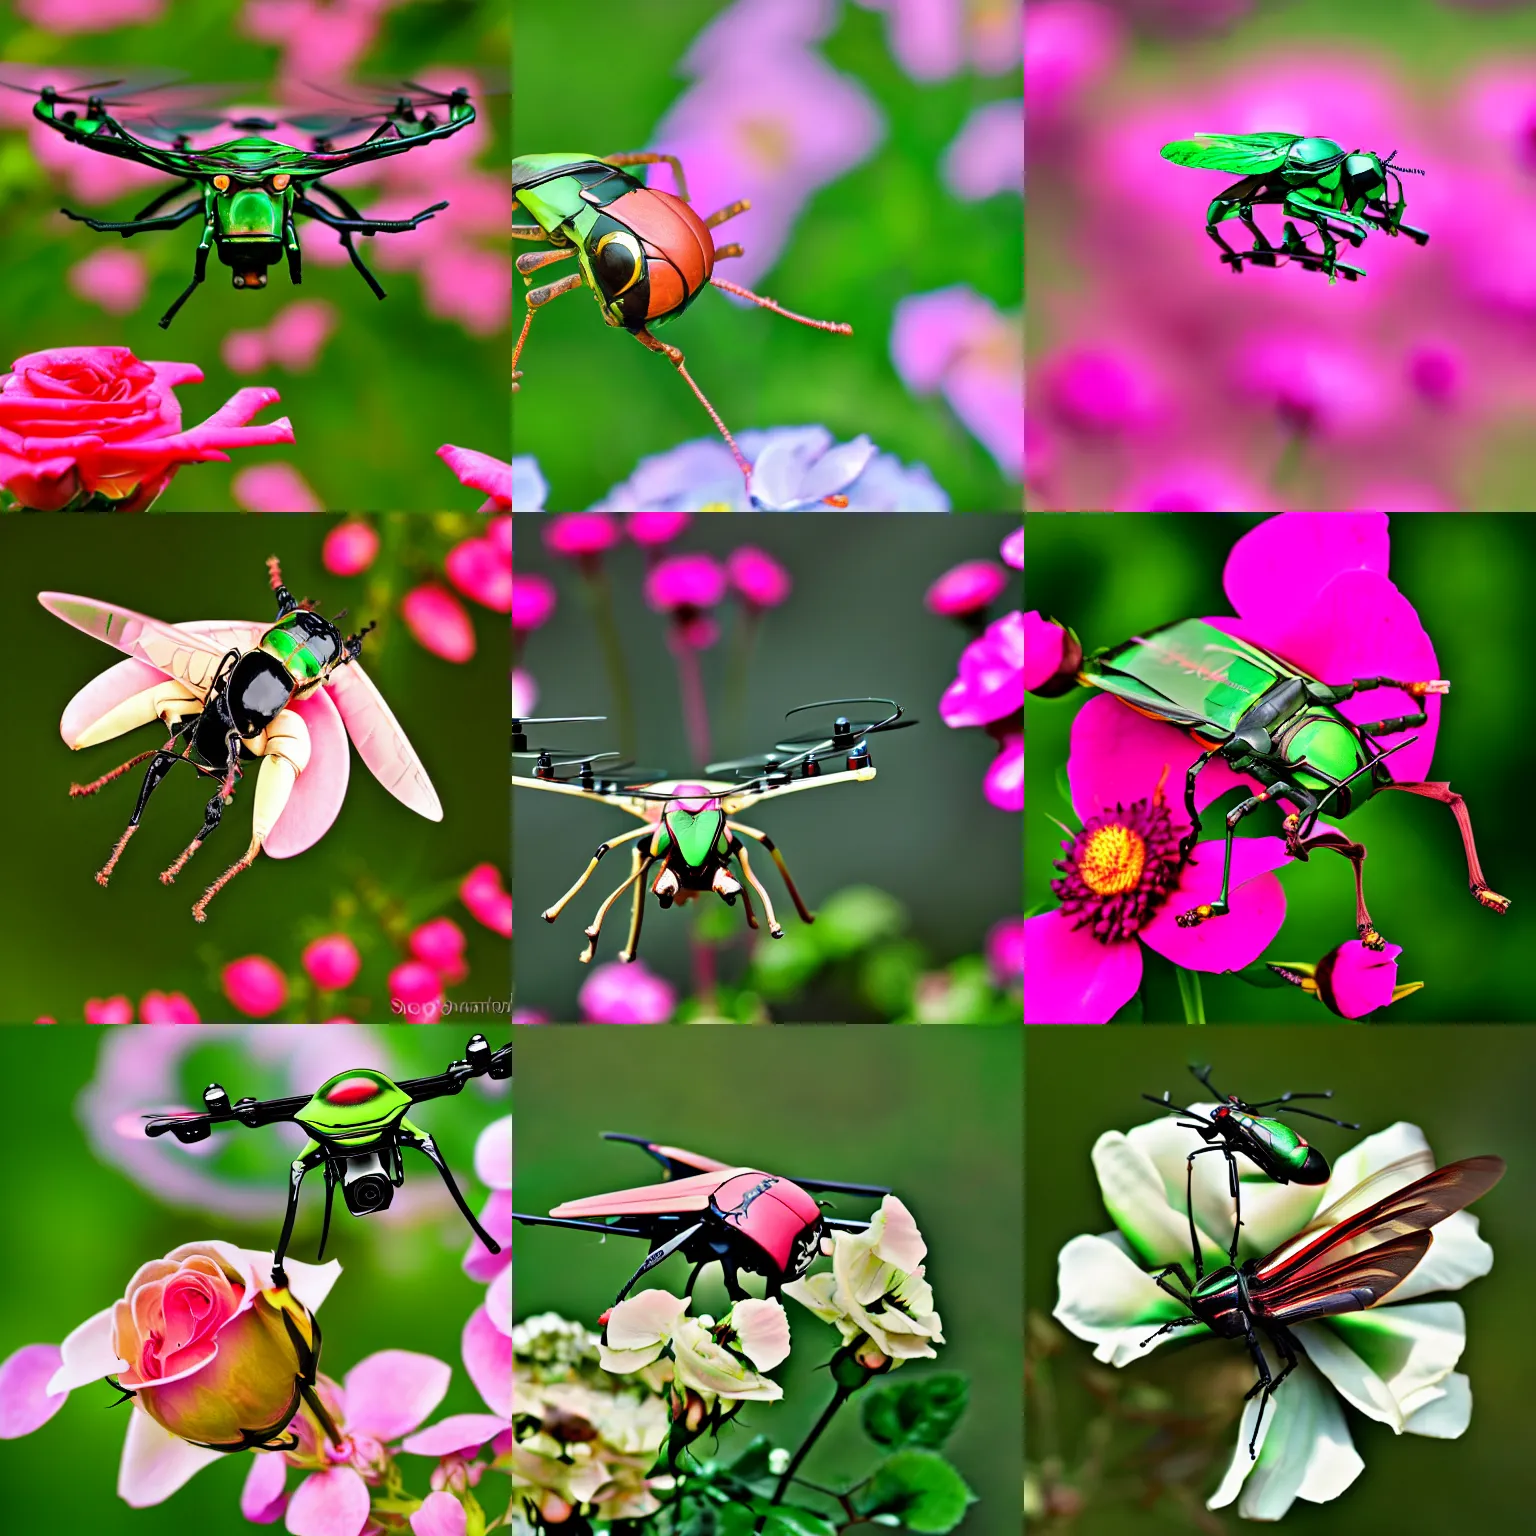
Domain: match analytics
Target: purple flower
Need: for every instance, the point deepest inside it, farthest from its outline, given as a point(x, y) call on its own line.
point(1067, 45)
point(935, 39)
point(529, 487)
point(988, 156)
point(1351, 980)
point(800, 470)
point(966, 588)
point(1194, 485)
point(626, 994)
point(1317, 385)
point(990, 684)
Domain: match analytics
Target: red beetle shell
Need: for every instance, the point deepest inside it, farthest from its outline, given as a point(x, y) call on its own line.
point(679, 252)
point(774, 1218)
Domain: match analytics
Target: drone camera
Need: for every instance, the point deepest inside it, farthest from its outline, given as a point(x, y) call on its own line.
point(366, 1186)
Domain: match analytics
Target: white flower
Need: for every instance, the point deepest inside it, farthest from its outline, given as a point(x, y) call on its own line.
point(1395, 1363)
point(876, 1290)
point(714, 1359)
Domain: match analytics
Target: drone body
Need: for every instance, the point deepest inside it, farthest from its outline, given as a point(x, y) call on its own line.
point(690, 844)
point(1314, 179)
point(741, 1218)
point(357, 1125)
point(285, 694)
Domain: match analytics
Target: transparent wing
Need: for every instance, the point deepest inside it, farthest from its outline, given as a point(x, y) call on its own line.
point(380, 742)
point(1244, 154)
point(189, 655)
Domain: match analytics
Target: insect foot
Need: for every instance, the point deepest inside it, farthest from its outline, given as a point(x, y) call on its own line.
point(1197, 915)
point(1490, 899)
point(1370, 938)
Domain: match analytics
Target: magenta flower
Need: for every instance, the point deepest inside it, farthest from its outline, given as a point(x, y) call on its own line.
point(990, 685)
point(1193, 485)
point(167, 1008)
point(293, 340)
point(481, 568)
point(110, 1010)
point(1351, 980)
point(487, 898)
point(1051, 656)
point(1004, 783)
point(273, 488)
point(1437, 372)
point(480, 472)
point(95, 426)
point(493, 1167)
point(1012, 549)
point(1068, 44)
point(1316, 384)
point(1103, 391)
point(114, 280)
point(581, 535)
point(533, 602)
point(626, 994)
point(1005, 952)
point(255, 986)
point(69, 16)
point(416, 992)
point(332, 962)
point(654, 528)
point(349, 549)
point(686, 587)
point(25, 1402)
point(967, 588)
point(438, 621)
point(440, 944)
point(758, 579)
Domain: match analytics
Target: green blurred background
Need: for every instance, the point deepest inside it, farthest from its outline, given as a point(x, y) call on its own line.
point(64, 939)
point(1112, 576)
point(854, 625)
point(401, 1286)
point(1468, 1091)
point(845, 1105)
point(392, 383)
point(594, 402)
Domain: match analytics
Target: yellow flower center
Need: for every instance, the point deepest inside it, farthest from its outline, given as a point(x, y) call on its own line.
point(1112, 860)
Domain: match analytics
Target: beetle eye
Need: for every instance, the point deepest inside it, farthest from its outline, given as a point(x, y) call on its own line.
point(279, 182)
point(221, 183)
point(617, 262)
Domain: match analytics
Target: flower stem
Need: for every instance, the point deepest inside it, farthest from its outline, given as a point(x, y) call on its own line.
point(1190, 996)
point(599, 596)
point(690, 680)
point(839, 1397)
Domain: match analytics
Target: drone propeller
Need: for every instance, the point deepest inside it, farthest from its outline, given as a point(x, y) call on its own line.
point(170, 126)
point(762, 765)
point(116, 90)
point(846, 732)
point(520, 735)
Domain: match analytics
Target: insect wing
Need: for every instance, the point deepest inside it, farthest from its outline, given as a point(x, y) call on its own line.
point(380, 742)
point(678, 1162)
point(190, 653)
point(676, 1195)
point(1348, 1285)
point(1245, 154)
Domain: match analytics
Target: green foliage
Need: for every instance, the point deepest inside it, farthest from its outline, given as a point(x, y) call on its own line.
point(916, 1413)
point(920, 1488)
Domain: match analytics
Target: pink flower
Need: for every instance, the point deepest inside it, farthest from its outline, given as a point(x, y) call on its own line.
point(493, 1167)
point(273, 488)
point(990, 685)
point(988, 156)
point(332, 962)
point(533, 602)
point(486, 897)
point(349, 549)
point(440, 944)
point(255, 986)
point(297, 333)
point(653, 528)
point(760, 580)
point(111, 1010)
point(966, 588)
point(68, 16)
point(1004, 783)
point(438, 621)
point(440, 1515)
point(1005, 951)
point(685, 583)
point(580, 534)
point(25, 1402)
point(1067, 45)
point(1102, 391)
point(78, 423)
point(115, 280)
point(1437, 372)
point(1046, 645)
point(482, 570)
point(525, 693)
point(1351, 980)
point(626, 994)
point(416, 992)
point(1315, 384)
point(1012, 549)
point(167, 1008)
point(487, 1351)
point(480, 472)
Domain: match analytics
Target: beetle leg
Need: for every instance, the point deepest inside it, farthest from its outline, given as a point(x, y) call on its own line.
point(658, 1256)
point(413, 1136)
point(140, 225)
point(1299, 847)
point(1443, 792)
point(1189, 1204)
point(602, 912)
point(212, 812)
point(1177, 1322)
point(1264, 1387)
point(836, 326)
point(531, 261)
point(728, 212)
point(675, 357)
point(1190, 838)
point(774, 926)
point(646, 158)
point(199, 272)
point(550, 914)
point(528, 232)
point(1220, 907)
point(637, 914)
point(778, 858)
point(517, 350)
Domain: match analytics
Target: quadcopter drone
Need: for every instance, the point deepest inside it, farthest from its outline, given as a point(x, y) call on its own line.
point(690, 845)
point(357, 1126)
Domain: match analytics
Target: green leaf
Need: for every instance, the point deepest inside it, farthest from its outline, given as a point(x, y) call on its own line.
point(888, 975)
point(753, 1462)
point(790, 1520)
point(921, 1412)
point(854, 918)
point(919, 1486)
point(1259, 975)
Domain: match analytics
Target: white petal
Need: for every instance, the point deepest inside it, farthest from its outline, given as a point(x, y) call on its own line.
point(1457, 1255)
point(309, 1283)
point(837, 469)
point(642, 1321)
point(1136, 1198)
point(899, 1242)
point(88, 1355)
point(1105, 1298)
point(1354, 1380)
point(1409, 1349)
point(1446, 1416)
point(155, 1462)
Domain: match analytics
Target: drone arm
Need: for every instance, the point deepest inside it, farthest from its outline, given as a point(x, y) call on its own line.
point(827, 1186)
point(480, 1061)
point(307, 1163)
point(739, 802)
point(412, 1136)
point(658, 1256)
point(644, 810)
point(116, 140)
point(383, 143)
point(838, 1224)
point(580, 1226)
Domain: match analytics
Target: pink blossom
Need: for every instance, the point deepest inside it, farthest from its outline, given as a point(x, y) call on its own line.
point(255, 986)
point(1353, 981)
point(760, 580)
point(525, 693)
point(110, 1010)
point(966, 588)
point(114, 280)
point(533, 601)
point(1047, 654)
point(1315, 384)
point(581, 534)
point(935, 39)
point(626, 994)
point(438, 621)
point(1102, 390)
point(1012, 549)
point(1005, 951)
point(480, 472)
point(483, 893)
point(988, 156)
point(329, 38)
point(990, 685)
point(1437, 371)
point(440, 944)
point(167, 1008)
point(297, 333)
point(332, 962)
point(482, 571)
point(82, 422)
point(1068, 44)
point(273, 488)
point(653, 528)
point(1194, 485)
point(440, 1515)
point(349, 549)
point(416, 992)
point(244, 351)
point(68, 16)
point(25, 1402)
point(1004, 783)
point(683, 583)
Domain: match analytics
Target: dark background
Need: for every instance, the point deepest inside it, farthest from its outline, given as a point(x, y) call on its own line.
point(846, 1105)
point(854, 625)
point(63, 938)
point(1466, 1089)
point(1109, 577)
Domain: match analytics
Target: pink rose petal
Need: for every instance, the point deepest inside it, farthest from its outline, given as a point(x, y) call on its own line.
point(440, 1515)
point(25, 1402)
point(391, 1392)
point(488, 1359)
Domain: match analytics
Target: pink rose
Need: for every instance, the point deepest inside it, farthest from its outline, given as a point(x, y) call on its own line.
point(95, 426)
point(438, 621)
point(483, 893)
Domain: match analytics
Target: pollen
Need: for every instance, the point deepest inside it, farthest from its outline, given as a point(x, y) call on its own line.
point(1111, 860)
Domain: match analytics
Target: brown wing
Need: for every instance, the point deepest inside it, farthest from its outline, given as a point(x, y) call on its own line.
point(1414, 1208)
point(673, 1196)
point(1350, 1285)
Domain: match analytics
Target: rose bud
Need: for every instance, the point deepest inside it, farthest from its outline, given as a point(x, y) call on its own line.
point(1052, 656)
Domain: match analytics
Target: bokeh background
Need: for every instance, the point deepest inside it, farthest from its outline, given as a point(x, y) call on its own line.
point(372, 388)
point(823, 1104)
point(378, 872)
point(1161, 382)
point(840, 142)
point(401, 1286)
point(1112, 577)
point(1467, 1090)
point(923, 865)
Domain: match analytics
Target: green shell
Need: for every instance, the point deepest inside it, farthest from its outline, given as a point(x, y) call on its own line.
point(361, 1119)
